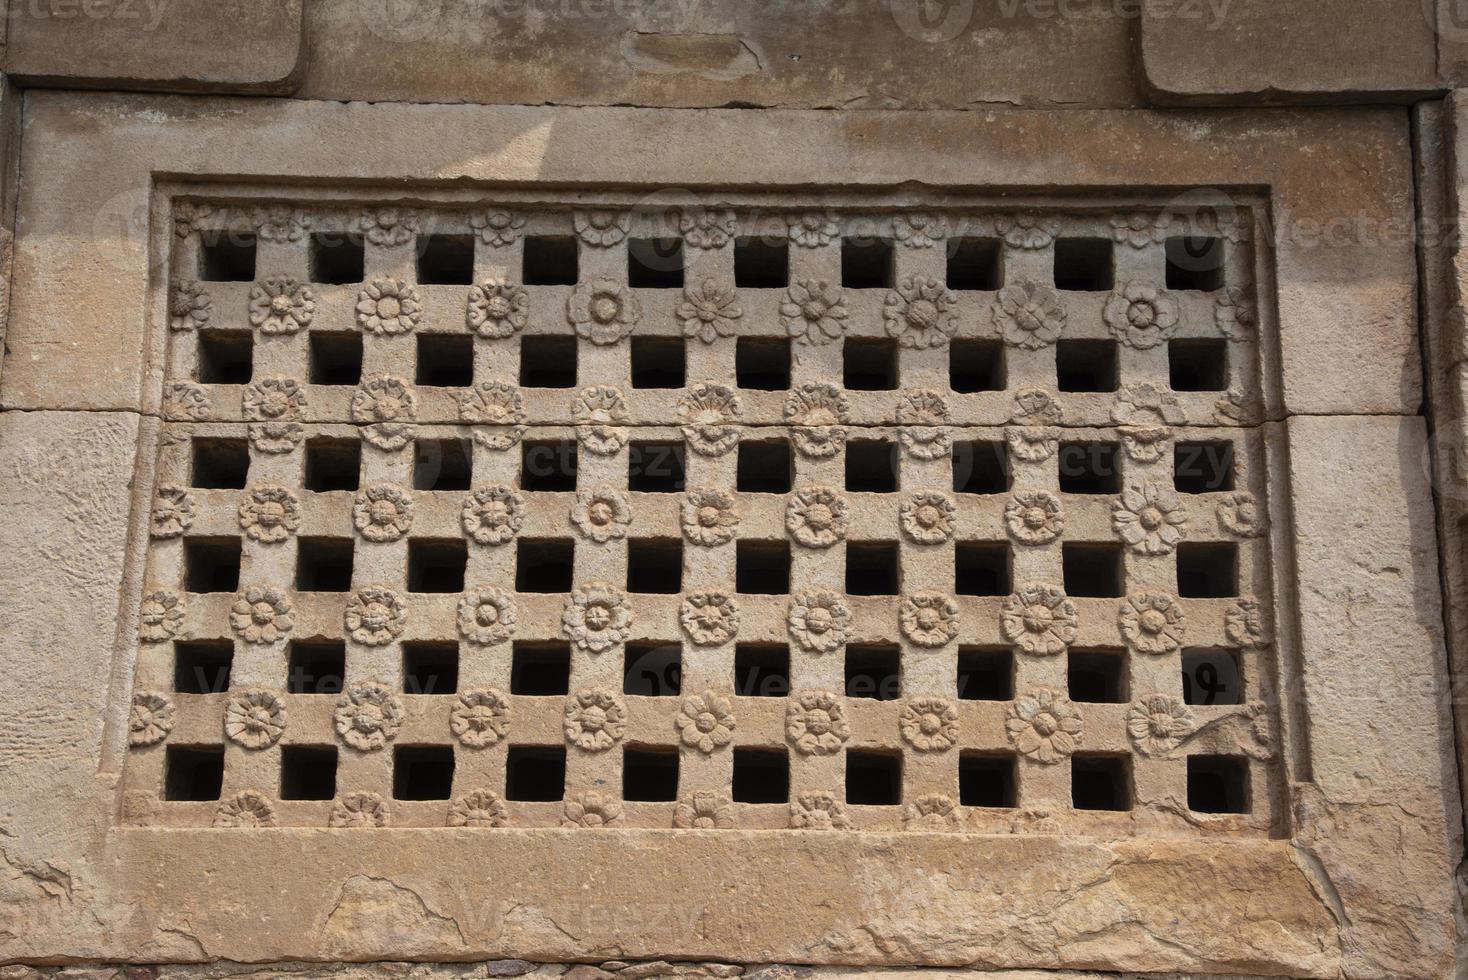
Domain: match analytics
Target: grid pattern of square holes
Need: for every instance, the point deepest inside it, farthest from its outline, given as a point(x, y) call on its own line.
point(1034, 451)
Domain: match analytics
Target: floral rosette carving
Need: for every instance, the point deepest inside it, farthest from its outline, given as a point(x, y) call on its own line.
point(708, 311)
point(389, 227)
point(497, 308)
point(254, 719)
point(601, 514)
point(816, 517)
point(1236, 314)
point(704, 810)
point(173, 511)
point(492, 515)
point(1140, 228)
point(812, 229)
point(1028, 315)
point(817, 413)
point(922, 415)
point(1149, 517)
point(706, 722)
point(818, 811)
point(919, 313)
point(486, 616)
point(149, 719)
point(262, 614)
point(1239, 515)
point(928, 619)
point(1145, 411)
point(1035, 435)
point(1244, 624)
point(375, 616)
point(817, 621)
point(594, 720)
point(1034, 517)
point(601, 418)
point(189, 305)
point(1027, 230)
point(600, 229)
point(707, 227)
point(709, 413)
point(274, 405)
point(591, 810)
point(602, 311)
point(386, 408)
point(388, 307)
point(927, 517)
point(929, 724)
point(499, 228)
point(710, 516)
point(247, 810)
point(1141, 315)
point(356, 811)
point(190, 216)
point(709, 618)
point(160, 616)
point(1211, 222)
point(1044, 726)
point(932, 813)
point(280, 223)
point(481, 808)
point(814, 311)
point(382, 512)
point(368, 716)
point(919, 229)
point(815, 723)
point(1236, 408)
point(1039, 619)
point(596, 618)
point(1158, 723)
point(1152, 622)
point(480, 717)
point(185, 401)
point(269, 514)
point(281, 305)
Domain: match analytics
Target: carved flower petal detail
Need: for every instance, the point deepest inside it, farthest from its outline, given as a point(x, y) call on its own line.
point(927, 517)
point(708, 311)
point(929, 724)
point(932, 813)
point(1152, 622)
point(918, 229)
point(274, 400)
point(919, 313)
point(375, 616)
point(368, 716)
point(1140, 228)
point(492, 515)
point(486, 616)
point(481, 808)
point(595, 720)
point(1149, 518)
point(928, 619)
point(707, 227)
point(499, 228)
point(1141, 315)
point(601, 229)
point(150, 719)
point(254, 719)
point(818, 811)
point(710, 516)
point(922, 415)
point(1245, 625)
point(817, 413)
point(189, 305)
point(389, 226)
point(603, 311)
point(1158, 723)
point(1240, 515)
point(1037, 416)
point(246, 810)
point(261, 614)
point(480, 717)
point(709, 413)
point(704, 810)
point(382, 512)
point(816, 517)
point(497, 308)
point(386, 408)
point(709, 618)
point(815, 723)
point(596, 618)
point(358, 810)
point(185, 401)
point(601, 514)
point(281, 305)
point(1028, 315)
point(818, 621)
point(706, 722)
point(173, 511)
point(1034, 517)
point(1039, 619)
point(388, 307)
point(812, 229)
point(491, 403)
point(601, 419)
point(814, 311)
point(1044, 726)
point(1027, 230)
point(160, 616)
point(1235, 313)
point(269, 514)
point(591, 810)
point(280, 223)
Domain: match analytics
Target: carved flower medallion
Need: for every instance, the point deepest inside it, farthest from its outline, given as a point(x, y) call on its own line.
point(704, 810)
point(818, 621)
point(709, 618)
point(382, 512)
point(281, 305)
point(817, 413)
point(254, 719)
point(368, 716)
point(261, 614)
point(1152, 622)
point(280, 223)
point(480, 717)
point(601, 514)
point(601, 229)
point(481, 808)
point(1140, 228)
point(1235, 313)
point(1245, 625)
point(816, 517)
point(812, 229)
point(1034, 517)
point(1157, 723)
point(389, 227)
point(1039, 619)
point(603, 311)
point(497, 308)
point(1150, 518)
point(492, 515)
point(1035, 435)
point(1028, 315)
point(150, 719)
point(499, 228)
point(595, 720)
point(386, 408)
point(596, 618)
point(1240, 515)
point(1027, 229)
point(927, 517)
point(160, 616)
point(269, 513)
point(245, 810)
point(173, 511)
point(591, 810)
point(601, 418)
point(919, 313)
point(932, 813)
point(708, 311)
point(814, 311)
point(815, 723)
point(1141, 315)
point(710, 516)
point(923, 416)
point(486, 616)
point(491, 403)
point(388, 307)
point(709, 413)
point(358, 811)
point(928, 619)
point(189, 305)
point(1044, 726)
point(706, 722)
point(375, 616)
point(919, 229)
point(707, 227)
point(818, 811)
point(929, 724)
